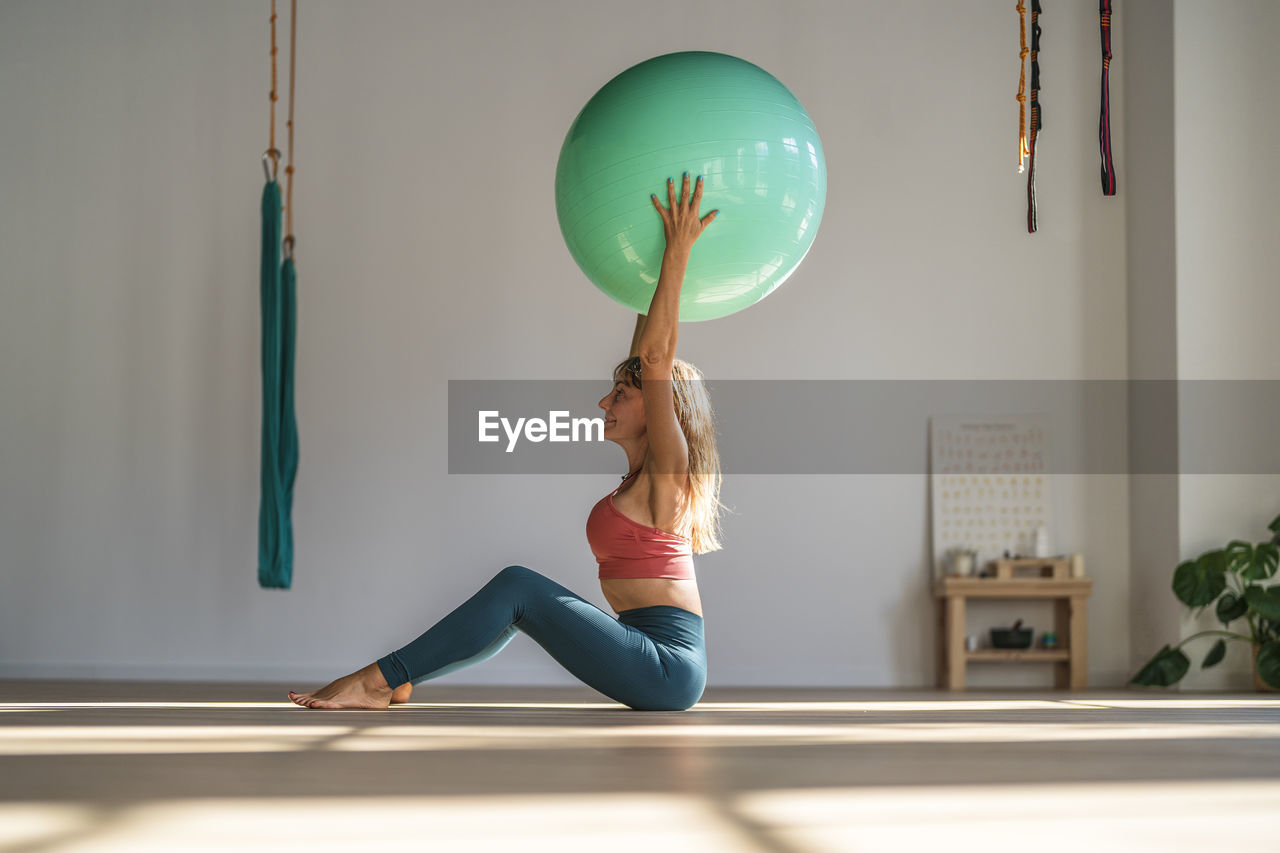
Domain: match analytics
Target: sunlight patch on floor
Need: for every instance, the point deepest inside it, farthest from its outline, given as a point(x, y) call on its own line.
point(1104, 817)
point(614, 822)
point(159, 740)
point(153, 739)
point(1066, 703)
point(1099, 817)
point(399, 738)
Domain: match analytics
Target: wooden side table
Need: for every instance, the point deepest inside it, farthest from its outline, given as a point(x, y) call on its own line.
point(1071, 597)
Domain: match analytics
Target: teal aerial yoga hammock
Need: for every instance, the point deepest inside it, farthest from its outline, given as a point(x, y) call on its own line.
point(279, 288)
point(279, 427)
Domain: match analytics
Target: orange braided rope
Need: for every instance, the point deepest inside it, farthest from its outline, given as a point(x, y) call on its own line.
point(271, 129)
point(270, 145)
point(288, 204)
point(1023, 150)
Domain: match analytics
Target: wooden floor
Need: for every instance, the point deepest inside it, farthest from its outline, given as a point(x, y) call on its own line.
point(164, 766)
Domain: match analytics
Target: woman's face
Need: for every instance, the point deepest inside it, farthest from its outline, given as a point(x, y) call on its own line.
point(623, 412)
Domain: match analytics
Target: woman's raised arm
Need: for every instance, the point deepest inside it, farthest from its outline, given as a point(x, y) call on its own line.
point(635, 338)
point(682, 226)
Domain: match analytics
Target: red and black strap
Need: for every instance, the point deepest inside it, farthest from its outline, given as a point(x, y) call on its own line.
point(1104, 119)
point(1036, 122)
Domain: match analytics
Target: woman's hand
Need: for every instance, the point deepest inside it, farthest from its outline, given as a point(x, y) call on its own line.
point(681, 222)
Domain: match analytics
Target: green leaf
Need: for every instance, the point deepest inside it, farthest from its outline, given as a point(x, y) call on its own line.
point(1239, 555)
point(1274, 527)
point(1264, 601)
point(1262, 563)
point(1216, 654)
point(1269, 664)
point(1198, 582)
point(1231, 607)
point(1164, 669)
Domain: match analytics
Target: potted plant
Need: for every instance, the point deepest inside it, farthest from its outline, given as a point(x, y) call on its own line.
point(1230, 577)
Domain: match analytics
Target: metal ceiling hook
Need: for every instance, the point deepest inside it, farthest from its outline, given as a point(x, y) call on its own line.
point(275, 163)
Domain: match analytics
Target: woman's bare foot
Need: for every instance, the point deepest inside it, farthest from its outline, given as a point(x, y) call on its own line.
point(401, 694)
point(365, 688)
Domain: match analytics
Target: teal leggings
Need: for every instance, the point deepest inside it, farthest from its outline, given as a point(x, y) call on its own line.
point(649, 659)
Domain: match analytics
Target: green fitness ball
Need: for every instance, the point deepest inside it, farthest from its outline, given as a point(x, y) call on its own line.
point(709, 114)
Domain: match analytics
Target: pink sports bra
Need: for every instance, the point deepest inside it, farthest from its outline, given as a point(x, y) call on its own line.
point(625, 548)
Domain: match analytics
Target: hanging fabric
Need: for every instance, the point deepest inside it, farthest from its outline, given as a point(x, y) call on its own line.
point(278, 288)
point(1036, 123)
point(1104, 117)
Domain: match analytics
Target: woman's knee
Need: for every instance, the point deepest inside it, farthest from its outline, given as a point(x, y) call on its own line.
point(512, 571)
point(520, 577)
point(515, 573)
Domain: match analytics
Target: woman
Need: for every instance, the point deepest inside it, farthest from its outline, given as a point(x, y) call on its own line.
point(653, 655)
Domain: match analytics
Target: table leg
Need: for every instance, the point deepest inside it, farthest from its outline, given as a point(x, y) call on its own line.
point(1062, 627)
point(1078, 638)
point(955, 642)
point(941, 643)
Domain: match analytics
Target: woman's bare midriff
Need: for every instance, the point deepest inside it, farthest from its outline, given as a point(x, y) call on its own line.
point(631, 593)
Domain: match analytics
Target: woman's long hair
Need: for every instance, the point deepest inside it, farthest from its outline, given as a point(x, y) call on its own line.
point(699, 518)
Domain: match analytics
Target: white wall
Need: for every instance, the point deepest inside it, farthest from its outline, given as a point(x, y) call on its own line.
point(1202, 224)
point(1148, 179)
point(427, 135)
point(1228, 251)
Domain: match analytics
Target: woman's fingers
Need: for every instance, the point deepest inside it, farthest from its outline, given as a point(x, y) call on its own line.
point(662, 211)
point(682, 216)
point(692, 200)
